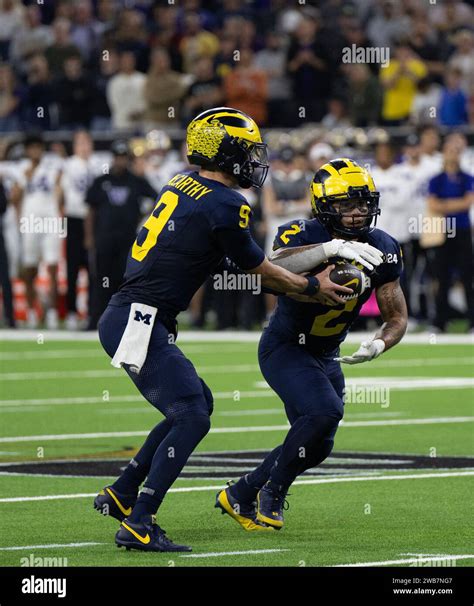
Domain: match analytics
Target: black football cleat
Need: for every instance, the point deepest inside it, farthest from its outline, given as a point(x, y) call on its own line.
point(270, 505)
point(145, 536)
point(244, 514)
point(111, 503)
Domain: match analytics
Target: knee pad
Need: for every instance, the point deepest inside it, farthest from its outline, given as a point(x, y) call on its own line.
point(199, 424)
point(322, 426)
point(192, 411)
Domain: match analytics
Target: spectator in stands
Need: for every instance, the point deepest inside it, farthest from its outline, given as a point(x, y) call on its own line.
point(163, 91)
point(131, 35)
point(196, 41)
point(39, 104)
point(74, 93)
point(356, 34)
point(204, 92)
point(466, 152)
point(125, 93)
point(246, 88)
point(310, 70)
point(164, 33)
point(86, 30)
point(62, 47)
point(364, 95)
point(106, 13)
point(450, 15)
point(451, 195)
point(318, 154)
point(388, 24)
point(429, 144)
point(108, 67)
point(426, 101)
point(399, 80)
point(453, 101)
point(272, 60)
point(463, 59)
point(423, 42)
point(248, 36)
point(11, 19)
point(63, 9)
point(224, 61)
point(10, 100)
point(30, 39)
point(337, 116)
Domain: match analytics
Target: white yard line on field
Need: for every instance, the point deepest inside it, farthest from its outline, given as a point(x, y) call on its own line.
point(228, 413)
point(218, 395)
point(219, 554)
point(115, 373)
point(195, 336)
point(406, 561)
point(404, 383)
point(51, 546)
point(39, 354)
point(447, 474)
point(221, 430)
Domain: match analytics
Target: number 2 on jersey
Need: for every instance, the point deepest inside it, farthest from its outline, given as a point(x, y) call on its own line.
point(154, 225)
point(320, 326)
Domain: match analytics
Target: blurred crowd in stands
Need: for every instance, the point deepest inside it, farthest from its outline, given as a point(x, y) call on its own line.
point(141, 64)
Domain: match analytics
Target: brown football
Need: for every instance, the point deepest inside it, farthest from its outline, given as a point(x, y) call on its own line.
point(346, 274)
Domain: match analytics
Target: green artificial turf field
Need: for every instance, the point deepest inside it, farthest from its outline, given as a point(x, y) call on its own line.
point(396, 489)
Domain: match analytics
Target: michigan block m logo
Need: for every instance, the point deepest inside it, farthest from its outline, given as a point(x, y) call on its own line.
point(139, 317)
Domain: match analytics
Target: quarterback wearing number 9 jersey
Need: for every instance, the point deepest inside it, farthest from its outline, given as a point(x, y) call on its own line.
point(198, 220)
point(299, 350)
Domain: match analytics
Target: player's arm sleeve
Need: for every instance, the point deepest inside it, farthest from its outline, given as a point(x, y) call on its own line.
point(240, 247)
point(230, 224)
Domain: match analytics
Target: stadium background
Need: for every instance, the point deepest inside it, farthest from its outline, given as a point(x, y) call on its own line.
point(282, 62)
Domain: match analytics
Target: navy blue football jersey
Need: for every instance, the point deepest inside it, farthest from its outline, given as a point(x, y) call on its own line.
point(194, 225)
point(320, 327)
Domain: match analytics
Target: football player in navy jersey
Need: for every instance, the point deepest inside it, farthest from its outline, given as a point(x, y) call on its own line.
point(198, 220)
point(299, 350)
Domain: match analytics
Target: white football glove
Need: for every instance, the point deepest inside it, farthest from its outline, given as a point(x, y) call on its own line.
point(361, 252)
point(367, 351)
